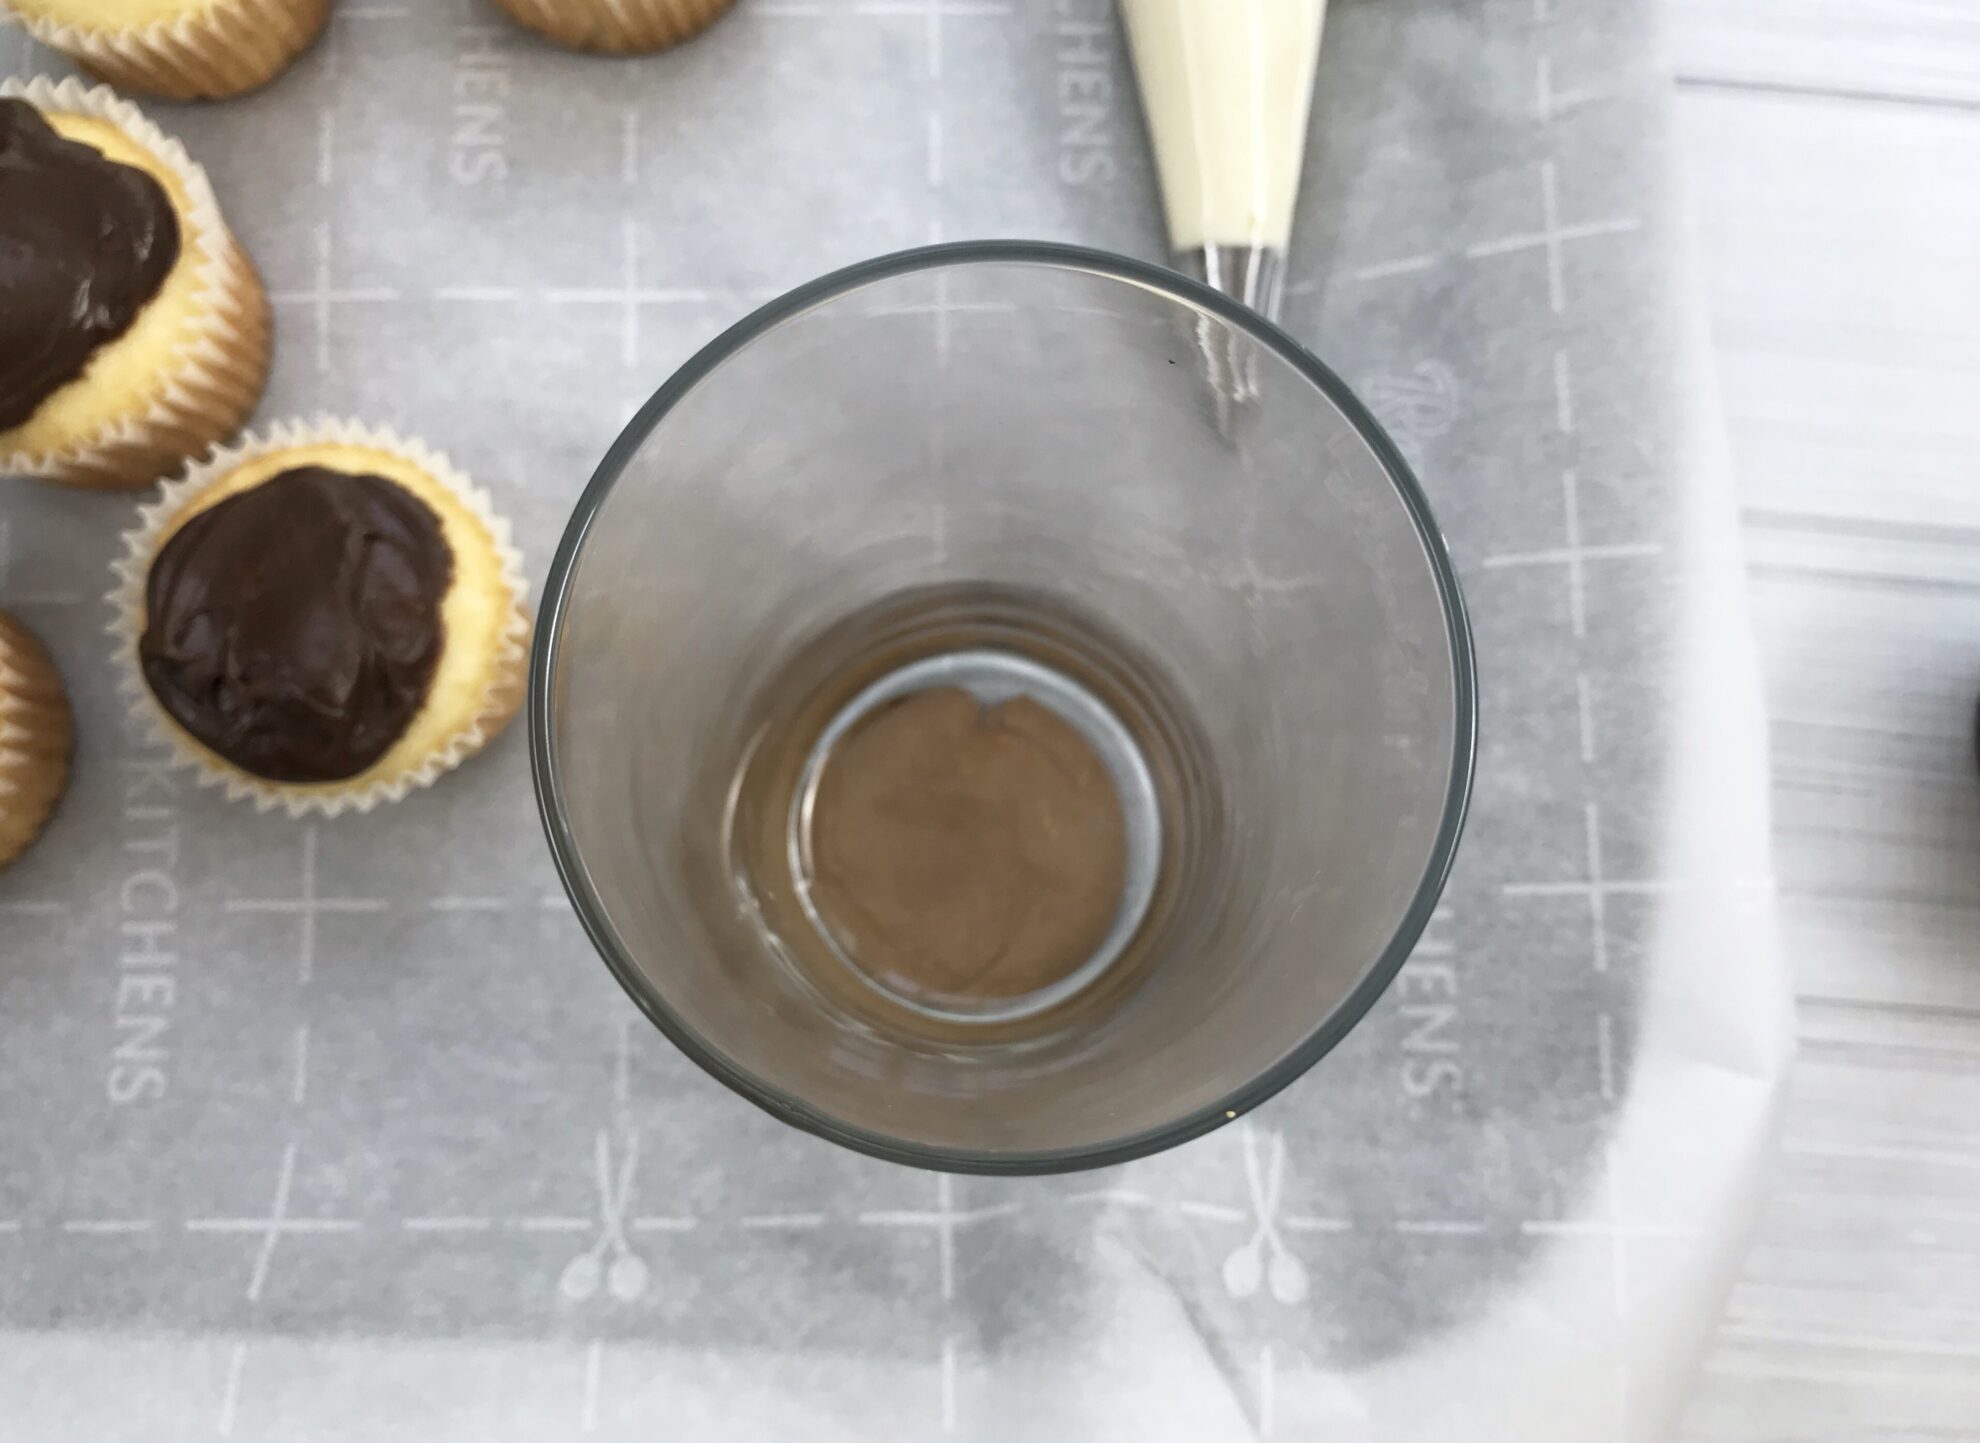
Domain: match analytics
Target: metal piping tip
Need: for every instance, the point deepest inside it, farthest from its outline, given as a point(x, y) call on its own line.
point(1227, 89)
point(1254, 275)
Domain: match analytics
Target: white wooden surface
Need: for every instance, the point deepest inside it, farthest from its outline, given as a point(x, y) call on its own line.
point(1915, 50)
point(1833, 148)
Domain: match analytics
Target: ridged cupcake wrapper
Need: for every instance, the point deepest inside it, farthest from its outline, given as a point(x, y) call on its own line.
point(216, 375)
point(509, 673)
point(228, 48)
point(621, 27)
point(35, 738)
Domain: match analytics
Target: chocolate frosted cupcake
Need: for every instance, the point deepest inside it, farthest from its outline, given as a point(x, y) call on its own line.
point(184, 49)
point(34, 738)
point(322, 619)
point(617, 27)
point(133, 330)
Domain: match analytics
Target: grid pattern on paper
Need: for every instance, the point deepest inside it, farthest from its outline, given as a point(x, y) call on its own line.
point(270, 1080)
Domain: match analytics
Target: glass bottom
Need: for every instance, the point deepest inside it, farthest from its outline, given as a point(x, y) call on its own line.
point(979, 843)
point(1014, 855)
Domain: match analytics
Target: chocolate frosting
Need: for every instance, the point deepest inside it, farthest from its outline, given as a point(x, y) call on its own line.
point(85, 243)
point(294, 627)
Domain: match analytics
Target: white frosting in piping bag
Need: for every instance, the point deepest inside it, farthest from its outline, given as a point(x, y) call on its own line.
point(1227, 85)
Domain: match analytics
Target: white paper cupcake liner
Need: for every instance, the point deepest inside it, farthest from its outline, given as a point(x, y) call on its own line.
point(35, 738)
point(214, 378)
point(617, 26)
point(509, 668)
point(227, 48)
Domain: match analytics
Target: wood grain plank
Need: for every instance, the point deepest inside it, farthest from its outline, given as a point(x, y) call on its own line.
point(1914, 50)
point(1837, 242)
point(1845, 314)
point(1858, 1315)
point(1845, 301)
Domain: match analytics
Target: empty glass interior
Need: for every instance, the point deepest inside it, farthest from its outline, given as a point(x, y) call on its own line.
point(1098, 467)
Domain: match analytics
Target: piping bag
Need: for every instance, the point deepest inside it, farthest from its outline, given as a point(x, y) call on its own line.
point(1227, 86)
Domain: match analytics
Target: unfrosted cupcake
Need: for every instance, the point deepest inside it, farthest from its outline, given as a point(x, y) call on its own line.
point(134, 333)
point(34, 738)
point(183, 49)
point(322, 619)
point(617, 27)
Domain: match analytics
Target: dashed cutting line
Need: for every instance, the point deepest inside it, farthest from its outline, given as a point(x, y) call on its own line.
point(299, 1090)
point(594, 1360)
point(553, 1225)
point(1118, 1196)
point(230, 1396)
point(773, 1222)
point(1605, 1054)
point(949, 1384)
point(1584, 706)
point(665, 1224)
point(469, 904)
point(1268, 1392)
point(326, 141)
point(108, 1226)
point(1435, 1227)
point(1408, 265)
point(1317, 1224)
point(1215, 1212)
point(1563, 394)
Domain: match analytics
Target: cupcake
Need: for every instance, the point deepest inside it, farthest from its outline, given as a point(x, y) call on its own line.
point(34, 738)
point(322, 618)
point(183, 49)
point(617, 27)
point(135, 331)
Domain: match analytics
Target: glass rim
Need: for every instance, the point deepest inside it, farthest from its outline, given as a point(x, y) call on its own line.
point(788, 1108)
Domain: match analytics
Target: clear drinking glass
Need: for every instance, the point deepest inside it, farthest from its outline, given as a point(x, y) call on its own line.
point(1025, 469)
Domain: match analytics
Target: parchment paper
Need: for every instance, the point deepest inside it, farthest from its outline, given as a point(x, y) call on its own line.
point(307, 1127)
